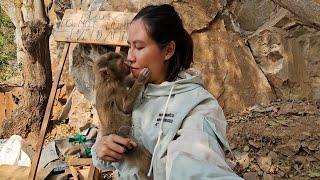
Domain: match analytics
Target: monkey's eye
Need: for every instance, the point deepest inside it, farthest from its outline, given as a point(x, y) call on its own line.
point(105, 73)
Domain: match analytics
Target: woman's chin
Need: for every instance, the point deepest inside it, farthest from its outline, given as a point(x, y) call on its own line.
point(135, 72)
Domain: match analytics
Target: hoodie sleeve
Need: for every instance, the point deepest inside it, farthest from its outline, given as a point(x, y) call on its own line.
point(99, 163)
point(197, 151)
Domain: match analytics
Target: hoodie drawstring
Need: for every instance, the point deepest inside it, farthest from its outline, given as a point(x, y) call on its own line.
point(160, 132)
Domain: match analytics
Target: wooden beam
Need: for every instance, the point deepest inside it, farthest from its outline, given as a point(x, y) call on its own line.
point(44, 125)
point(80, 162)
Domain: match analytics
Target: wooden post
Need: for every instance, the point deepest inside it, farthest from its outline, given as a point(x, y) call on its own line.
point(94, 173)
point(118, 49)
point(35, 160)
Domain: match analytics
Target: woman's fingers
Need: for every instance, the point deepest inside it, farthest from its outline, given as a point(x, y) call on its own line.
point(128, 143)
point(116, 147)
point(112, 147)
point(115, 155)
point(134, 144)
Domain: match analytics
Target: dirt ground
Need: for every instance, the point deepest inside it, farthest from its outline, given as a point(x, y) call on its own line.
point(281, 141)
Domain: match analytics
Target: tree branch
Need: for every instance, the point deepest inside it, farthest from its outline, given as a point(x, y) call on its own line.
point(39, 10)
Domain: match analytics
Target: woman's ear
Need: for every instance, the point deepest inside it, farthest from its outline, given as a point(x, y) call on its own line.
point(170, 50)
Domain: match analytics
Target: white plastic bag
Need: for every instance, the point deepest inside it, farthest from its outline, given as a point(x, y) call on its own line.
point(12, 154)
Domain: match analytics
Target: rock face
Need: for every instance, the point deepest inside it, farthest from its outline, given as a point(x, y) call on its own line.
point(82, 112)
point(229, 69)
point(250, 52)
point(307, 11)
point(81, 70)
point(285, 45)
point(251, 14)
point(290, 62)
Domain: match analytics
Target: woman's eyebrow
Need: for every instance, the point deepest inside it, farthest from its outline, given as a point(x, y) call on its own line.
point(136, 42)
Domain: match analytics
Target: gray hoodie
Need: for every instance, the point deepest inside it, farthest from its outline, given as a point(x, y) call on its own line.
point(184, 128)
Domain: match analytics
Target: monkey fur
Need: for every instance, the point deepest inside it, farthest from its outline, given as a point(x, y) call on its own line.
point(114, 103)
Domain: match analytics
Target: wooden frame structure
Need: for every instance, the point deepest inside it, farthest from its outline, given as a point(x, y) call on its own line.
point(90, 27)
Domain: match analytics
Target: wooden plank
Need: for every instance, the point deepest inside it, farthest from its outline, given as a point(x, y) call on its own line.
point(91, 172)
point(94, 27)
point(35, 160)
point(80, 162)
point(74, 173)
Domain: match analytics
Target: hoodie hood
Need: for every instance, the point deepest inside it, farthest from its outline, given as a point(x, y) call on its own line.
point(187, 81)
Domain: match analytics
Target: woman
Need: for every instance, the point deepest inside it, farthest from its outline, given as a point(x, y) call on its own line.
point(175, 118)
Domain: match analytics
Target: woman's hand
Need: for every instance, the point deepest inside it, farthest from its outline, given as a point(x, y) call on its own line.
point(112, 147)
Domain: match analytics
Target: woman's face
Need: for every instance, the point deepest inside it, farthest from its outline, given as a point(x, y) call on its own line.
point(145, 53)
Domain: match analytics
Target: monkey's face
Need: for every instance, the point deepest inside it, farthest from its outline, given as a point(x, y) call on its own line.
point(112, 65)
point(119, 67)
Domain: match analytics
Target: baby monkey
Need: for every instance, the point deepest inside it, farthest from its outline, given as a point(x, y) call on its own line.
point(116, 92)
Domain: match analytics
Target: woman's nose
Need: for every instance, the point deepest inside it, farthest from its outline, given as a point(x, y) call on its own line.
point(130, 56)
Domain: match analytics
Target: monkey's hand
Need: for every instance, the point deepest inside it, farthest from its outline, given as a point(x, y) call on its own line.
point(126, 102)
point(144, 75)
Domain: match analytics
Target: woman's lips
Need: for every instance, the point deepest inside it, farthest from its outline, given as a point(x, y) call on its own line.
point(134, 69)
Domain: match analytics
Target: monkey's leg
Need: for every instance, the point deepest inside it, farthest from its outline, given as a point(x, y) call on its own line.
point(141, 158)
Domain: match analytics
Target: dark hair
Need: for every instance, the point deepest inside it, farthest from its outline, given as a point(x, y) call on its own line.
point(164, 25)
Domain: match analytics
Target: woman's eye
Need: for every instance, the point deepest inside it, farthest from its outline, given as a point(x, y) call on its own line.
point(139, 48)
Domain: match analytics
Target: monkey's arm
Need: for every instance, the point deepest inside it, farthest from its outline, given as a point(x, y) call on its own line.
point(126, 102)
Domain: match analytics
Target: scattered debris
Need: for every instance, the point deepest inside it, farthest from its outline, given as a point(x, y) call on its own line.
point(11, 152)
point(280, 141)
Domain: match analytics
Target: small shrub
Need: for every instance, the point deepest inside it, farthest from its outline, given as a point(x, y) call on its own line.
point(7, 48)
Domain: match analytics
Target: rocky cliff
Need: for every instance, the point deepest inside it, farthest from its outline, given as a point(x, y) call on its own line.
point(249, 51)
